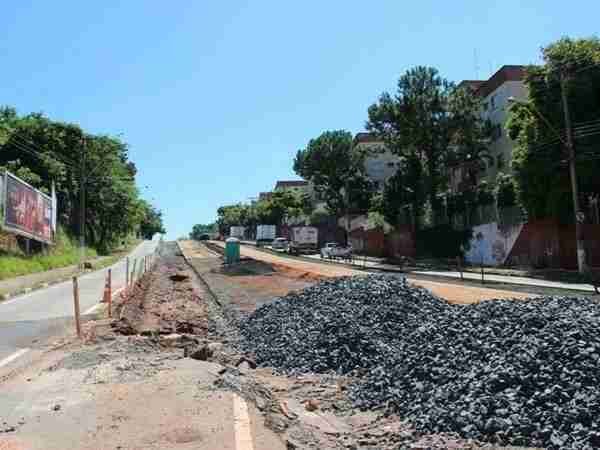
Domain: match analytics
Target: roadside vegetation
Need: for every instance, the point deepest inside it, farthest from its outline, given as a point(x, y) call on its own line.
point(64, 253)
point(43, 152)
point(436, 130)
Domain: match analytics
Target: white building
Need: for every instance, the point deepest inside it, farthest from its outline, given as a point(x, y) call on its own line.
point(382, 164)
point(505, 83)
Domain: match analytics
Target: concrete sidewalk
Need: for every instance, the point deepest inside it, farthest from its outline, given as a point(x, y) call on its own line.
point(505, 279)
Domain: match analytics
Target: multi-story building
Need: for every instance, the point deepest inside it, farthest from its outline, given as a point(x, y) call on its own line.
point(380, 164)
point(264, 196)
point(507, 82)
point(296, 186)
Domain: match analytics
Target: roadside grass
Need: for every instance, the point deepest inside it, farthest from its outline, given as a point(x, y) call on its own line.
point(64, 253)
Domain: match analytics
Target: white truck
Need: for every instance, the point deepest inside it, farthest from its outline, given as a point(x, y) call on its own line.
point(304, 240)
point(265, 234)
point(237, 232)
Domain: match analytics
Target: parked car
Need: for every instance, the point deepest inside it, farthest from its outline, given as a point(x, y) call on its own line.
point(333, 250)
point(280, 244)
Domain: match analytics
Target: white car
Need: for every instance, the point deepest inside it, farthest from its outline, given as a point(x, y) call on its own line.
point(280, 244)
point(334, 250)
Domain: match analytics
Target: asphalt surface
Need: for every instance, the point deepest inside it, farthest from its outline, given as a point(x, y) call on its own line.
point(29, 319)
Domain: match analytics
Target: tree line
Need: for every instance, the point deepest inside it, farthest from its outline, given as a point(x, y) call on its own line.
point(435, 127)
point(42, 151)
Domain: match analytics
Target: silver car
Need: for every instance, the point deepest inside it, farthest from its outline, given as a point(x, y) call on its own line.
point(280, 244)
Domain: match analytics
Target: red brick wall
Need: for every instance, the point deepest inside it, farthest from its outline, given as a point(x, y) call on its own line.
point(401, 242)
point(545, 243)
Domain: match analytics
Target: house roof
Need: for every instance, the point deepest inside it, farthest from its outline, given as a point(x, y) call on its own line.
point(504, 74)
point(366, 137)
point(472, 84)
point(291, 183)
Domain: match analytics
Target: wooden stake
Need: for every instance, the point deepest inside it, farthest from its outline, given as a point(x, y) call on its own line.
point(127, 272)
point(76, 305)
point(105, 292)
point(109, 293)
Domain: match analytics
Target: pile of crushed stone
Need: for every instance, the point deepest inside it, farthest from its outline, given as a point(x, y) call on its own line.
point(510, 372)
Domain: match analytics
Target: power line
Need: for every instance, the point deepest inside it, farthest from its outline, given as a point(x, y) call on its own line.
point(27, 143)
point(24, 146)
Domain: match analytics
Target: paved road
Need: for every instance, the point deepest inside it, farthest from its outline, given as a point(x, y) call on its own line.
point(39, 314)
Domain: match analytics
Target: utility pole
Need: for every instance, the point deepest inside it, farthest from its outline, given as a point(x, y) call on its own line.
point(82, 204)
point(573, 174)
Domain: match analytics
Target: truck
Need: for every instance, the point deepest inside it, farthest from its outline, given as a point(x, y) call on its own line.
point(265, 234)
point(303, 240)
point(237, 232)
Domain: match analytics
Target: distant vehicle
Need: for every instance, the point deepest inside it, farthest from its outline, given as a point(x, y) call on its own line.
point(304, 240)
point(333, 250)
point(237, 232)
point(265, 234)
point(280, 244)
point(205, 237)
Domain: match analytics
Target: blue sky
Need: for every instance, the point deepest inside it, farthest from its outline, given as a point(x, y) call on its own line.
point(215, 98)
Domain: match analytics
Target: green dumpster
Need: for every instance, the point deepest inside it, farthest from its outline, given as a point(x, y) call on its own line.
point(232, 250)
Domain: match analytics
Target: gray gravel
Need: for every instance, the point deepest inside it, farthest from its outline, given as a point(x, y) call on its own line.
point(504, 371)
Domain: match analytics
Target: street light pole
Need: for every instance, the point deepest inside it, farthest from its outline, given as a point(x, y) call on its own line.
point(573, 175)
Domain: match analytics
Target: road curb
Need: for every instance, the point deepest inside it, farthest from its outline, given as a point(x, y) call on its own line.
point(202, 280)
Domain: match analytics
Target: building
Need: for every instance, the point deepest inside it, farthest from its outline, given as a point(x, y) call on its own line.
point(507, 82)
point(381, 164)
point(264, 196)
point(296, 186)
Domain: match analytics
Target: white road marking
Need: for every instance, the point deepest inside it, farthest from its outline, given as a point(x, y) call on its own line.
point(14, 356)
point(241, 424)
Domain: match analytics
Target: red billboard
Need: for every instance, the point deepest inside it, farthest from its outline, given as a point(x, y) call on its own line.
point(27, 211)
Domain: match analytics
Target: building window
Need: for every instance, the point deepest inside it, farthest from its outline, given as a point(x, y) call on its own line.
point(493, 101)
point(500, 161)
point(485, 106)
point(391, 164)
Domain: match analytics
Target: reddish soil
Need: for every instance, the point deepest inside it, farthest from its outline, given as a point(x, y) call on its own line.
point(452, 292)
point(164, 301)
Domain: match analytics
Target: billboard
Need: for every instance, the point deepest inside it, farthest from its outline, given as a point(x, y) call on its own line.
point(27, 211)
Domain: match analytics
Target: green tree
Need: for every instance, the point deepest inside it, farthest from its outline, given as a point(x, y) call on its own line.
point(539, 157)
point(430, 124)
point(469, 135)
point(152, 222)
point(199, 229)
point(416, 124)
point(42, 151)
point(336, 168)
